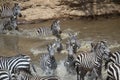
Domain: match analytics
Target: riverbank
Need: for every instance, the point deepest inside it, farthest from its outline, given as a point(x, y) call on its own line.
point(35, 11)
point(50, 9)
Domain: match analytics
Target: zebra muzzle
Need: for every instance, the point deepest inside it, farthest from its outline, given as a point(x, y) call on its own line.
point(20, 15)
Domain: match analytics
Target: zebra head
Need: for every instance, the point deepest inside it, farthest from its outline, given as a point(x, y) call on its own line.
point(58, 45)
point(74, 42)
point(17, 10)
point(102, 48)
point(51, 50)
point(69, 48)
point(55, 27)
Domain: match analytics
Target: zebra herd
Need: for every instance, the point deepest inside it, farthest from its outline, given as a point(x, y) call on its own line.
point(18, 67)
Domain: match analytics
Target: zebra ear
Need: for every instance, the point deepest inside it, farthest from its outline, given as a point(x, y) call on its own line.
point(58, 21)
point(103, 42)
point(92, 45)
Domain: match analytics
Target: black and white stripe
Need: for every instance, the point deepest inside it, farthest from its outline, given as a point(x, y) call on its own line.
point(6, 75)
point(25, 76)
point(53, 30)
point(48, 62)
point(91, 61)
point(113, 58)
point(8, 11)
point(15, 62)
point(113, 72)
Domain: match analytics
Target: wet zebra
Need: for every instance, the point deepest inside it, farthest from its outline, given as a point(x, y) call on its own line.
point(48, 62)
point(6, 75)
point(9, 24)
point(92, 61)
point(69, 60)
point(114, 58)
point(8, 11)
point(15, 62)
point(74, 42)
point(53, 30)
point(113, 71)
point(22, 75)
point(10, 14)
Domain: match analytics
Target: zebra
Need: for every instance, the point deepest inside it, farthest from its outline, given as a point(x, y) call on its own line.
point(74, 42)
point(10, 24)
point(91, 61)
point(70, 58)
point(6, 75)
point(15, 62)
point(114, 58)
point(11, 14)
point(48, 62)
point(22, 75)
point(7, 11)
point(113, 71)
point(53, 30)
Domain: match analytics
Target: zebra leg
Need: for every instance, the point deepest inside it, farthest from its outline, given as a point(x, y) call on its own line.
point(78, 72)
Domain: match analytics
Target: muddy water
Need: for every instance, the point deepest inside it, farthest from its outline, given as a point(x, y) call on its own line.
point(103, 29)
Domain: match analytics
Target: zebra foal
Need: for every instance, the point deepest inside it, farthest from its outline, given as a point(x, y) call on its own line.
point(48, 62)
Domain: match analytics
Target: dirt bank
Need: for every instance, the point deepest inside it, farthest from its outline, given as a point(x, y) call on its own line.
point(49, 9)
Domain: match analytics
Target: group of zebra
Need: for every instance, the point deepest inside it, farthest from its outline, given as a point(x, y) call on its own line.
point(8, 21)
point(8, 16)
point(80, 63)
point(93, 62)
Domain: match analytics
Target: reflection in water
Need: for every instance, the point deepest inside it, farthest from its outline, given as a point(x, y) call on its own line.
point(89, 31)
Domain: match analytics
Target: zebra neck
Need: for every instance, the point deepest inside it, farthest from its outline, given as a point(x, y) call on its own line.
point(98, 56)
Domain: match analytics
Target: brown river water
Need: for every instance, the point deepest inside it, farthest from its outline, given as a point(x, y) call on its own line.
point(89, 31)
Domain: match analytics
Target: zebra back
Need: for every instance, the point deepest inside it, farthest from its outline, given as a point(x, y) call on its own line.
point(8, 11)
point(15, 62)
point(44, 31)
